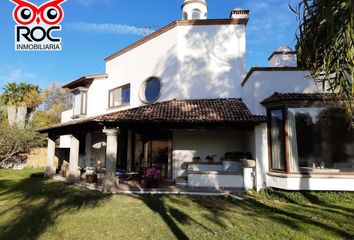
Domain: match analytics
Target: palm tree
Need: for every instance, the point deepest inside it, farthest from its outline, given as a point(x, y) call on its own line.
point(21, 100)
point(326, 44)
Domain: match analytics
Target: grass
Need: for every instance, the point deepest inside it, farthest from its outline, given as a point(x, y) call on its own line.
point(32, 207)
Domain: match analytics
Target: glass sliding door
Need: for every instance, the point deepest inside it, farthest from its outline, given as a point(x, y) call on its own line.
point(152, 150)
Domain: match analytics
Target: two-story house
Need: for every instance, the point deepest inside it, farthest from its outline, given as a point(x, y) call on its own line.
point(181, 99)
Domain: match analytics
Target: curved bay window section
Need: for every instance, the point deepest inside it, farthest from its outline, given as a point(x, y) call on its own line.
point(276, 134)
point(320, 140)
point(310, 140)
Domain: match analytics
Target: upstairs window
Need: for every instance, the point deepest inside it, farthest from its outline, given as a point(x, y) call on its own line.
point(119, 96)
point(150, 90)
point(79, 102)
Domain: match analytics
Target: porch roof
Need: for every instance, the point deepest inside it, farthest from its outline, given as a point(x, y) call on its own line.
point(299, 97)
point(195, 111)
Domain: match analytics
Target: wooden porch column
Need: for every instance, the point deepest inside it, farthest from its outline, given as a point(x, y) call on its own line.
point(74, 172)
point(50, 169)
point(111, 181)
point(129, 151)
point(88, 147)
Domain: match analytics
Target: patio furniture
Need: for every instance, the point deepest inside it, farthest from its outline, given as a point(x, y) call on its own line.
point(91, 178)
point(133, 176)
point(152, 177)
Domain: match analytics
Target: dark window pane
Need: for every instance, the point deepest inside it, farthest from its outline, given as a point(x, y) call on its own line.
point(119, 96)
point(277, 139)
point(152, 89)
point(324, 139)
point(126, 95)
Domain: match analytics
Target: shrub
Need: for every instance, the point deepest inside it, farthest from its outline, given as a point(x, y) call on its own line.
point(15, 140)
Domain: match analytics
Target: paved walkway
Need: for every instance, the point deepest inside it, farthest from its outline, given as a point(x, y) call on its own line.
point(133, 187)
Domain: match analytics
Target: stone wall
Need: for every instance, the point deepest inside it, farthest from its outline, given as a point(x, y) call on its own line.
point(37, 158)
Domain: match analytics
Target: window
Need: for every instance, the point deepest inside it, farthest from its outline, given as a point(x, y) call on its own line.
point(119, 96)
point(151, 90)
point(276, 124)
point(185, 16)
point(320, 140)
point(196, 14)
point(79, 102)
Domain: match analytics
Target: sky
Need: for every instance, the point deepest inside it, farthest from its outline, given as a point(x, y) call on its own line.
point(94, 29)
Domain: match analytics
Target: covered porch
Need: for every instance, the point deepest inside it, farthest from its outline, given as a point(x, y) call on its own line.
point(165, 145)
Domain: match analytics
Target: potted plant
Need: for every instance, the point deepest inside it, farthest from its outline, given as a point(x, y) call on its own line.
point(64, 168)
point(91, 175)
point(196, 159)
point(210, 159)
point(152, 177)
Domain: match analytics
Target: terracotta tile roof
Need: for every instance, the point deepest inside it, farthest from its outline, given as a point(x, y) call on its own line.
point(271, 69)
point(86, 80)
point(188, 111)
point(217, 111)
point(285, 97)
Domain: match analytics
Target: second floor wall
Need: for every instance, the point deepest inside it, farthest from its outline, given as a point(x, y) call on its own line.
point(190, 61)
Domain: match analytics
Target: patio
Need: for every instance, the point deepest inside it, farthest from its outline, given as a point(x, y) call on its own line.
point(134, 187)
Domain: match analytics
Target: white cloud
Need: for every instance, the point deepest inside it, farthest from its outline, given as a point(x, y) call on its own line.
point(269, 20)
point(10, 74)
point(17, 75)
point(105, 28)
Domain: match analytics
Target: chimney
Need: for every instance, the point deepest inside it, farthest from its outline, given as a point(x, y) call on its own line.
point(239, 13)
point(283, 56)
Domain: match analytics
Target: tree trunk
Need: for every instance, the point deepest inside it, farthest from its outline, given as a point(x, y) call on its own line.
point(11, 114)
point(21, 116)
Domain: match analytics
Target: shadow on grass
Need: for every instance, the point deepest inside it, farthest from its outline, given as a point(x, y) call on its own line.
point(171, 215)
point(156, 204)
point(39, 202)
point(302, 197)
point(293, 218)
point(219, 211)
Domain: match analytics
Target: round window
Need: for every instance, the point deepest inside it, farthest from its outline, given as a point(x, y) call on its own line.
point(151, 90)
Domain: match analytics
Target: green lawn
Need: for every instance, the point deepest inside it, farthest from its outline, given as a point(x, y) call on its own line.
point(34, 208)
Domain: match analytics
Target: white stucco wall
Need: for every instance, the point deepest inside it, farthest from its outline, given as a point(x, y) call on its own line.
point(215, 180)
point(212, 61)
point(263, 84)
point(314, 183)
point(189, 144)
point(65, 139)
point(192, 61)
point(261, 156)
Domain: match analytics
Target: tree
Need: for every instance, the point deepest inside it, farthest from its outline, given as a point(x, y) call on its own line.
point(43, 119)
point(21, 101)
point(326, 44)
point(22, 94)
point(2, 111)
point(56, 100)
point(15, 140)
